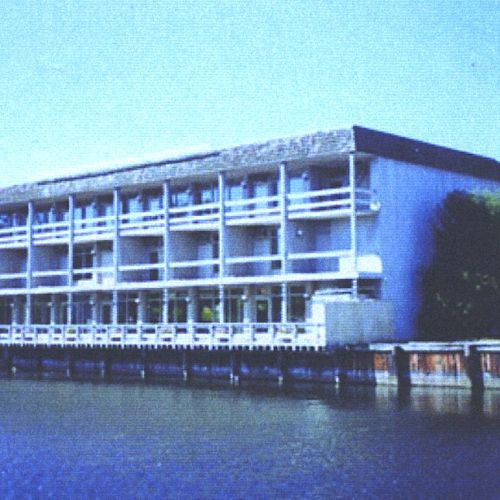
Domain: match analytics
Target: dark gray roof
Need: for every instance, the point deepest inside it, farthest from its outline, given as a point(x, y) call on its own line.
point(306, 147)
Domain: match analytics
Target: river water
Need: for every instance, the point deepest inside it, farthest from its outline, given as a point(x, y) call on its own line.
point(67, 439)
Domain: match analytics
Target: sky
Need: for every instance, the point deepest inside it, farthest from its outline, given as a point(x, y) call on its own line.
point(86, 84)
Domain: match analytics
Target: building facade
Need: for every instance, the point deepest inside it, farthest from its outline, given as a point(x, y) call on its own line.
point(228, 248)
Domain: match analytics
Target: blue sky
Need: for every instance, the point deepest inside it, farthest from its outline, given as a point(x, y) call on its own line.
point(90, 83)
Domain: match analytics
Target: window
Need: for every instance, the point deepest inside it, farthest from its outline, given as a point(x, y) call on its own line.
point(128, 308)
point(83, 258)
point(132, 204)
point(153, 307)
point(177, 307)
point(297, 304)
point(208, 194)
point(233, 305)
point(153, 201)
point(82, 309)
point(181, 198)
point(208, 306)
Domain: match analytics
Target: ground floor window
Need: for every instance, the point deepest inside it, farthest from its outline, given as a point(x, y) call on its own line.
point(297, 304)
point(208, 306)
point(177, 307)
point(41, 310)
point(5, 312)
point(153, 307)
point(82, 309)
point(128, 308)
point(233, 305)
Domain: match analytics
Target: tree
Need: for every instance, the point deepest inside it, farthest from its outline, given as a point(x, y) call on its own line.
point(461, 287)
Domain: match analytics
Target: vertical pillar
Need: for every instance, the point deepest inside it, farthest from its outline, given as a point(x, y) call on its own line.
point(308, 305)
point(284, 226)
point(235, 367)
point(53, 309)
point(166, 248)
point(29, 262)
point(222, 312)
point(186, 365)
point(27, 311)
point(192, 305)
point(69, 309)
point(284, 229)
point(248, 304)
point(116, 236)
point(354, 243)
point(114, 308)
point(71, 237)
point(166, 231)
point(116, 251)
point(94, 304)
point(222, 225)
point(164, 315)
point(141, 307)
point(284, 303)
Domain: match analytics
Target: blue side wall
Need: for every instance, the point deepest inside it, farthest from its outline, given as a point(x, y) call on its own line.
point(409, 195)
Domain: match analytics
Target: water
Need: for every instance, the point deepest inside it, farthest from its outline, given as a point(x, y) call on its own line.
point(123, 440)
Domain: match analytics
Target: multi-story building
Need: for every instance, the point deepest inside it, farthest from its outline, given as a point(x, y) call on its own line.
point(230, 247)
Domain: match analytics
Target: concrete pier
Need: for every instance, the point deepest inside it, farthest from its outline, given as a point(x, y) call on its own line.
point(472, 365)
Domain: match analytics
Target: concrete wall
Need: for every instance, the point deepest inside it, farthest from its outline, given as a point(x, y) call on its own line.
point(353, 321)
point(409, 195)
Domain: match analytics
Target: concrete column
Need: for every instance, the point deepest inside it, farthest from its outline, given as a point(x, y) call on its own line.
point(114, 308)
point(284, 226)
point(69, 309)
point(29, 262)
point(235, 367)
point(27, 311)
point(17, 315)
point(248, 304)
point(30, 247)
point(222, 226)
point(222, 313)
point(116, 235)
point(53, 309)
point(284, 303)
point(354, 243)
point(141, 307)
point(166, 232)
point(71, 237)
point(308, 295)
point(192, 305)
point(94, 299)
point(164, 315)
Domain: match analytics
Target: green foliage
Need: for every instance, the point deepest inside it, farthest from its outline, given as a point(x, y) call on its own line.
point(461, 287)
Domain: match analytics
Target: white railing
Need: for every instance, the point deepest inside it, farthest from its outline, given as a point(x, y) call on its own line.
point(13, 235)
point(261, 207)
point(180, 335)
point(206, 213)
point(309, 204)
point(329, 202)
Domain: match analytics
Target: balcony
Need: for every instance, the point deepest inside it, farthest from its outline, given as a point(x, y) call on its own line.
point(176, 335)
point(319, 204)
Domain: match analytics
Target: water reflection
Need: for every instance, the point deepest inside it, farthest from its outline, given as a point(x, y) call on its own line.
point(163, 440)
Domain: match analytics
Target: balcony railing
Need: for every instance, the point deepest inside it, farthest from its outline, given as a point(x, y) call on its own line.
point(175, 335)
point(322, 203)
